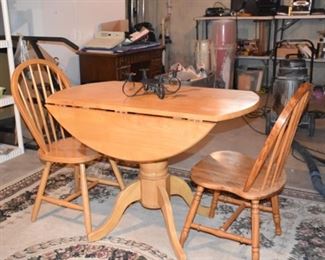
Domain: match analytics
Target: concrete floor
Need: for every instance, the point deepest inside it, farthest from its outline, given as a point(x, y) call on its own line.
point(229, 135)
point(19, 167)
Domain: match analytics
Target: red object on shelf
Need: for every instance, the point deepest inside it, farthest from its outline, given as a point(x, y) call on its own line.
point(224, 41)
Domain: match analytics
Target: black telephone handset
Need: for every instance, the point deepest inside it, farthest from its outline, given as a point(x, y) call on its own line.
point(151, 35)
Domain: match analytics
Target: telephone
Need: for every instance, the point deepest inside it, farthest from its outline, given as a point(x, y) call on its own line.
point(105, 40)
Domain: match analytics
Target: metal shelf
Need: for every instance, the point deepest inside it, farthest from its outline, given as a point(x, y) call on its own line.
point(262, 18)
point(319, 60)
point(300, 17)
point(6, 100)
point(202, 23)
point(253, 57)
point(252, 18)
point(3, 44)
point(322, 60)
point(8, 152)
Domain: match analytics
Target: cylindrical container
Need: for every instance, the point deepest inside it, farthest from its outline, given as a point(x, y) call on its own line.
point(293, 68)
point(223, 34)
point(283, 90)
point(202, 55)
point(291, 73)
point(320, 49)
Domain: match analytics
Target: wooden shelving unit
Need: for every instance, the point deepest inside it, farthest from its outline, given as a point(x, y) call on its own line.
point(8, 152)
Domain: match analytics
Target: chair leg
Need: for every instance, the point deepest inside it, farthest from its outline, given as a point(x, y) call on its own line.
point(276, 214)
point(191, 214)
point(85, 199)
point(214, 204)
point(117, 173)
point(255, 230)
point(77, 178)
point(41, 189)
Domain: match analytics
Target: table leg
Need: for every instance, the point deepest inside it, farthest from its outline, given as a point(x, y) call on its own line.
point(167, 211)
point(125, 198)
point(180, 188)
point(153, 191)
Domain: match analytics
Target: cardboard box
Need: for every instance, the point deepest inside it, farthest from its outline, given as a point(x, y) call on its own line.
point(115, 26)
point(283, 51)
point(250, 79)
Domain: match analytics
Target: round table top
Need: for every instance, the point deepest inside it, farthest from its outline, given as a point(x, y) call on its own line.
point(145, 128)
point(194, 103)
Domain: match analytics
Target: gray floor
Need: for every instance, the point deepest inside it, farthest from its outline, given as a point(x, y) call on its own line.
point(229, 135)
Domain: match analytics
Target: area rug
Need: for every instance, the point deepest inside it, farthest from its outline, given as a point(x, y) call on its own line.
point(58, 233)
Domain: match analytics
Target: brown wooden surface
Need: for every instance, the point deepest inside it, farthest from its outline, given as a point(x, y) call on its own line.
point(116, 134)
point(173, 126)
point(96, 67)
point(193, 103)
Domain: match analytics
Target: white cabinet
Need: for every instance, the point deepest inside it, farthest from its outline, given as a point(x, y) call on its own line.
point(8, 151)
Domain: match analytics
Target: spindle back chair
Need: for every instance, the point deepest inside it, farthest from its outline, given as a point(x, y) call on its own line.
point(32, 82)
point(241, 180)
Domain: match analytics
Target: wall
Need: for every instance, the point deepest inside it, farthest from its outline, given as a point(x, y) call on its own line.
point(76, 20)
point(182, 28)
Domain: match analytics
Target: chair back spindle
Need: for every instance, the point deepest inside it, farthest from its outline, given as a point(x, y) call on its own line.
point(270, 161)
point(32, 82)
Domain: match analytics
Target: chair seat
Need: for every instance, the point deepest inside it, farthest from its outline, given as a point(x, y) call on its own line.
point(228, 171)
point(68, 150)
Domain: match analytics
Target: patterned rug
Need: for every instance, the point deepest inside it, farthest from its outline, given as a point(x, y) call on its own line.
point(59, 233)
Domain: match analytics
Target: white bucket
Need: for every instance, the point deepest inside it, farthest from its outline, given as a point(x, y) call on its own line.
point(202, 55)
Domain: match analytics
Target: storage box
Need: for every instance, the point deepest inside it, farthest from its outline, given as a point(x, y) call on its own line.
point(285, 50)
point(115, 26)
point(250, 79)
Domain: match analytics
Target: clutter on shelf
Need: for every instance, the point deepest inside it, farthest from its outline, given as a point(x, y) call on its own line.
point(114, 37)
point(187, 73)
point(218, 9)
point(247, 47)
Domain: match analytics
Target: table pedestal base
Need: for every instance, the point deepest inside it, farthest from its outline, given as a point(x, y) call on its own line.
point(153, 191)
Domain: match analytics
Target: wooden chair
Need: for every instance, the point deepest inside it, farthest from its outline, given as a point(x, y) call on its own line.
point(32, 82)
point(238, 179)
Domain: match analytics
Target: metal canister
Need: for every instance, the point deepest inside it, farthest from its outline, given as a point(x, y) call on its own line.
point(291, 73)
point(321, 49)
